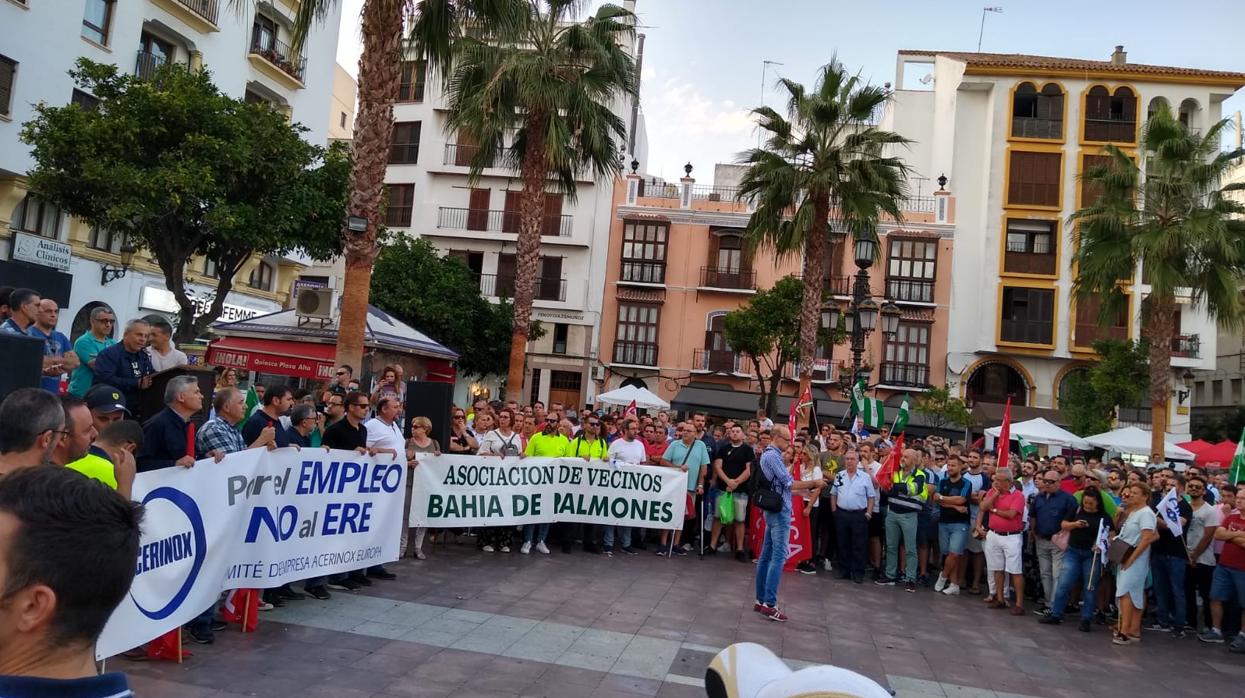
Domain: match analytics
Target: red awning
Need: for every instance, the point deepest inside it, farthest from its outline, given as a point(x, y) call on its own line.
point(440, 371)
point(1217, 456)
point(287, 358)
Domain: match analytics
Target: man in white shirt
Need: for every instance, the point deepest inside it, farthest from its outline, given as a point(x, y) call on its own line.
point(625, 449)
point(160, 346)
point(383, 432)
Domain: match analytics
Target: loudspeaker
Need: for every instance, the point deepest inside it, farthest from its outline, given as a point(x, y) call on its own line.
point(432, 400)
point(23, 362)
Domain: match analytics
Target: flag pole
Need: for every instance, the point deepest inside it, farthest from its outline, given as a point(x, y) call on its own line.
point(246, 608)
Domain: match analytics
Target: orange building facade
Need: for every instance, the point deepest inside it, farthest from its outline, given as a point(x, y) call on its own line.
point(677, 264)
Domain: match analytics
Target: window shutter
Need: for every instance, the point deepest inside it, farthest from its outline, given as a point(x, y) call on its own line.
point(510, 217)
point(477, 214)
point(552, 223)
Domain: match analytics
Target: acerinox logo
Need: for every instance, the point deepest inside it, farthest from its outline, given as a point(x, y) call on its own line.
point(165, 557)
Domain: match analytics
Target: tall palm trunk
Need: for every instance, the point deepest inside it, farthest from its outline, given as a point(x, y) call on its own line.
point(1160, 328)
point(379, 77)
point(810, 304)
point(533, 171)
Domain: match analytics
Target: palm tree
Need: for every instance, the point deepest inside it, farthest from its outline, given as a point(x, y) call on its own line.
point(529, 73)
point(1175, 222)
point(826, 157)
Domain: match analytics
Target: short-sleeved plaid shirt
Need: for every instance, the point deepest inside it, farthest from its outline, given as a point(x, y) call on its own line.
point(216, 434)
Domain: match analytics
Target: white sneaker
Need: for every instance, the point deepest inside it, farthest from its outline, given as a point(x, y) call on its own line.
point(505, 548)
point(941, 583)
point(952, 590)
point(724, 547)
point(526, 548)
point(542, 548)
point(487, 548)
point(825, 565)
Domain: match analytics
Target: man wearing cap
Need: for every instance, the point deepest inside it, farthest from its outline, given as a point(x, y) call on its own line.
point(107, 405)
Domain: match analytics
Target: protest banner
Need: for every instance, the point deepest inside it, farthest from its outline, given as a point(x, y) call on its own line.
point(257, 519)
point(456, 491)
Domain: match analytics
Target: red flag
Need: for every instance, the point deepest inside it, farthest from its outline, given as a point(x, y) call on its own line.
point(795, 406)
point(886, 474)
point(190, 439)
point(168, 647)
point(1005, 436)
point(242, 605)
point(631, 410)
point(799, 541)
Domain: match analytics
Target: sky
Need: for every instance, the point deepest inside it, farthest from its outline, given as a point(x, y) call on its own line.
point(703, 59)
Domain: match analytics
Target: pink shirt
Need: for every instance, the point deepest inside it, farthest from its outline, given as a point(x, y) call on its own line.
point(1015, 501)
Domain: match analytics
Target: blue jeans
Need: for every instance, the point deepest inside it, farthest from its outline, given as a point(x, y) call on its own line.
point(529, 529)
point(624, 532)
point(1168, 572)
point(1074, 573)
point(773, 555)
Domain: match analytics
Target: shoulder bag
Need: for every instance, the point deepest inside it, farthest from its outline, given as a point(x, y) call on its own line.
point(765, 497)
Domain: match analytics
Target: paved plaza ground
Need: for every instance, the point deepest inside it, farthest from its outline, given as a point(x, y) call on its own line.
point(463, 623)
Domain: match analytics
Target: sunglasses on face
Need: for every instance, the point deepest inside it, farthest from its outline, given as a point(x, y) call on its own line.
point(341, 373)
point(594, 424)
point(1051, 482)
point(460, 416)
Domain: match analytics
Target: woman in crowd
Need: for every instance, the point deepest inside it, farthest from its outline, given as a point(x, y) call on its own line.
point(503, 442)
point(1138, 529)
point(420, 442)
point(810, 471)
point(387, 386)
point(462, 438)
point(1082, 565)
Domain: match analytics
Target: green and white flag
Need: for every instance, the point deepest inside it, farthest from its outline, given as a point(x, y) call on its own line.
point(901, 419)
point(870, 410)
point(1236, 471)
point(1026, 449)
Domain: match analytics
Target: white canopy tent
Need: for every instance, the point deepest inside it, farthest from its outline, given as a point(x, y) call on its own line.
point(1136, 441)
point(1040, 431)
point(642, 396)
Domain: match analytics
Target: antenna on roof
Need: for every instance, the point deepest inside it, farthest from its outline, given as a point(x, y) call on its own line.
point(981, 32)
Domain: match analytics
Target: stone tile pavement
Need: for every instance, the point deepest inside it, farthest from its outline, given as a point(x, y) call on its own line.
point(463, 623)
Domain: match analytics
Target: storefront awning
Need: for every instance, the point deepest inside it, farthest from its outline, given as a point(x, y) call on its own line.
point(287, 358)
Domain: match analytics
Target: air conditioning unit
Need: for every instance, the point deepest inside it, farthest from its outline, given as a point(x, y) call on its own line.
point(598, 373)
point(315, 303)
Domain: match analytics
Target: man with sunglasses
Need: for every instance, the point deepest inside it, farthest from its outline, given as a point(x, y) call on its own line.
point(341, 380)
point(88, 346)
point(1048, 509)
point(32, 423)
point(1075, 481)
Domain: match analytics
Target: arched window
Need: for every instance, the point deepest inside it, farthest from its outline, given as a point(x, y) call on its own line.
point(1037, 113)
point(1155, 105)
point(718, 356)
point(1189, 112)
point(1110, 117)
point(262, 277)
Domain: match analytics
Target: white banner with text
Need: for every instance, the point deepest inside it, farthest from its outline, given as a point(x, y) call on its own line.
point(257, 519)
point(457, 491)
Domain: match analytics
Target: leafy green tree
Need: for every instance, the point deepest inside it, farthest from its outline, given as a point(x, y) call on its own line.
point(182, 169)
point(767, 331)
point(1175, 222)
point(1090, 397)
point(941, 410)
point(826, 159)
point(441, 297)
point(532, 86)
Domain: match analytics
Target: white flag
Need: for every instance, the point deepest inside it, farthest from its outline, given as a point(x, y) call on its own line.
point(1104, 541)
point(1169, 510)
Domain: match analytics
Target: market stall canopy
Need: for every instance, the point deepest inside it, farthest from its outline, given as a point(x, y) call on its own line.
point(283, 343)
point(643, 397)
point(1218, 455)
point(1040, 431)
point(1135, 441)
point(1196, 446)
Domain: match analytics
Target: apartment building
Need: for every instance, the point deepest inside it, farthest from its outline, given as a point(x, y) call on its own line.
point(430, 196)
point(1013, 133)
point(677, 264)
point(245, 46)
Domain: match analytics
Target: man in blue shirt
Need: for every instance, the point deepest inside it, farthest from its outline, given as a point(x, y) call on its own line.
point(852, 497)
point(164, 435)
point(69, 545)
point(277, 402)
point(127, 365)
point(774, 476)
point(1047, 511)
point(59, 357)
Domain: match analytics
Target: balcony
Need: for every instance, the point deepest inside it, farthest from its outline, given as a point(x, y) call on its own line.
point(713, 193)
point(502, 285)
point(266, 51)
point(483, 220)
point(1186, 346)
point(1032, 127)
point(1110, 130)
point(460, 155)
point(1016, 260)
point(147, 64)
point(638, 272)
point(904, 375)
point(919, 204)
point(822, 372)
point(717, 361)
point(657, 189)
point(839, 285)
point(725, 278)
point(200, 14)
point(910, 290)
point(1089, 332)
point(635, 353)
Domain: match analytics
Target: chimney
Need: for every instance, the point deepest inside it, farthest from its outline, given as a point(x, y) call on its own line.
point(1119, 56)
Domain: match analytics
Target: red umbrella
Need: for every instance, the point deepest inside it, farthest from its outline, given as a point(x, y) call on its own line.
point(1217, 456)
point(1196, 446)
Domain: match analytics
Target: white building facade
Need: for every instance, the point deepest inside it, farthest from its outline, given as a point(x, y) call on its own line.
point(430, 196)
point(246, 48)
point(1011, 134)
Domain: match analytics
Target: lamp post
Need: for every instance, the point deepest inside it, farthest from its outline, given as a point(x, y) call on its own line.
point(862, 314)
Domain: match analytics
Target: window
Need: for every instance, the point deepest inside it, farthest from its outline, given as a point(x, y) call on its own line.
point(644, 252)
point(262, 277)
point(549, 284)
point(636, 340)
point(84, 100)
point(1088, 330)
point(401, 205)
point(729, 265)
point(1089, 190)
point(1027, 315)
point(552, 223)
point(1110, 117)
point(411, 87)
point(404, 148)
point(96, 19)
point(910, 270)
point(8, 71)
point(342, 121)
point(730, 256)
point(717, 356)
point(907, 356)
point(263, 33)
point(1033, 179)
point(1030, 246)
point(536, 385)
point(209, 268)
point(1037, 114)
point(104, 240)
point(474, 261)
point(36, 216)
point(560, 332)
point(510, 212)
point(153, 52)
point(477, 209)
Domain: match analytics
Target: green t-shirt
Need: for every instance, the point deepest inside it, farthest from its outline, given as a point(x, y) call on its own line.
point(87, 348)
point(697, 457)
point(541, 446)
